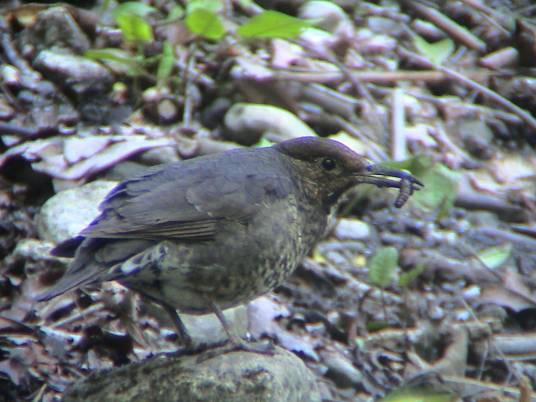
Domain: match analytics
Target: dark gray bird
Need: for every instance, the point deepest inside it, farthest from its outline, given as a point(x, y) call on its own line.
point(213, 232)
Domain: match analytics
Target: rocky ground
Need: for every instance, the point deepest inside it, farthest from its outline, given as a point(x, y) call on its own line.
point(434, 300)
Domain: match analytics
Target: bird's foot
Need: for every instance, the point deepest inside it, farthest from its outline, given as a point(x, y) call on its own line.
point(186, 341)
point(190, 350)
point(266, 349)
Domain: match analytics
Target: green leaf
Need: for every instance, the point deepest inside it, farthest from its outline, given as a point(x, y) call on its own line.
point(436, 52)
point(440, 185)
point(134, 28)
point(114, 57)
point(273, 24)
point(215, 6)
point(175, 13)
point(382, 266)
point(167, 60)
point(496, 256)
point(378, 325)
point(415, 165)
point(407, 278)
point(419, 395)
point(133, 7)
point(205, 23)
point(263, 142)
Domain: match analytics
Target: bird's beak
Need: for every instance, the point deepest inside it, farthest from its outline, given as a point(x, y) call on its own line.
point(380, 176)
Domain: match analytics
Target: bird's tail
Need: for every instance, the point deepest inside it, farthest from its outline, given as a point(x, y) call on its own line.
point(70, 281)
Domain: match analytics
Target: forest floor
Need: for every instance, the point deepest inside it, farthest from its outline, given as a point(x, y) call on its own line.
point(447, 90)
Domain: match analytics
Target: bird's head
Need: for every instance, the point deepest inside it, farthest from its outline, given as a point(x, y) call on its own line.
point(328, 168)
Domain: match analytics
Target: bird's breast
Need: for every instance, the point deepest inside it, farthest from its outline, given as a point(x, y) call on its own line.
point(280, 237)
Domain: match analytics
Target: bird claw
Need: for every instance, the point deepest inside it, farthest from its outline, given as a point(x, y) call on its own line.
point(267, 349)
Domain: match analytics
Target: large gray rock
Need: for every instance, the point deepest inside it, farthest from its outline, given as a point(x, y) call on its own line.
point(247, 123)
point(228, 377)
point(82, 76)
point(68, 212)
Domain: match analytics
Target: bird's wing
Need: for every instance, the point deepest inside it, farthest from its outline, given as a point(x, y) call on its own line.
point(186, 200)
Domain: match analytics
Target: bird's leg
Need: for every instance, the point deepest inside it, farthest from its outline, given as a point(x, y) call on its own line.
point(237, 342)
point(235, 339)
point(141, 273)
point(182, 332)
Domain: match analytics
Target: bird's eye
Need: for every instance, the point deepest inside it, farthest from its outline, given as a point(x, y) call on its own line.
point(328, 164)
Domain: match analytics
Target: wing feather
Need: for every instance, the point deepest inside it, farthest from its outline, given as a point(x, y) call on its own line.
point(188, 199)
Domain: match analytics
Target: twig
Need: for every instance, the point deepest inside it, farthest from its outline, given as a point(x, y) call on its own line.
point(438, 133)
point(331, 100)
point(488, 13)
point(23, 132)
point(506, 235)
point(500, 58)
point(13, 56)
point(478, 321)
point(458, 32)
point(196, 75)
point(492, 95)
point(398, 127)
point(358, 86)
point(380, 77)
point(442, 102)
point(473, 200)
point(188, 101)
point(39, 396)
point(376, 152)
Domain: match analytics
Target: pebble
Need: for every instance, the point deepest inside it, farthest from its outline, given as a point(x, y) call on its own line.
point(64, 215)
point(341, 370)
point(352, 229)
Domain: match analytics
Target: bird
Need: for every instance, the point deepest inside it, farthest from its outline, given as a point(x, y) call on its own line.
point(205, 234)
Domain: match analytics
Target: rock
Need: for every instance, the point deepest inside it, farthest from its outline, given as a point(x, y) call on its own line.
point(247, 123)
point(327, 14)
point(33, 249)
point(10, 76)
point(6, 111)
point(157, 156)
point(80, 75)
point(64, 215)
point(352, 229)
point(213, 376)
point(54, 28)
point(341, 370)
point(160, 106)
point(206, 329)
